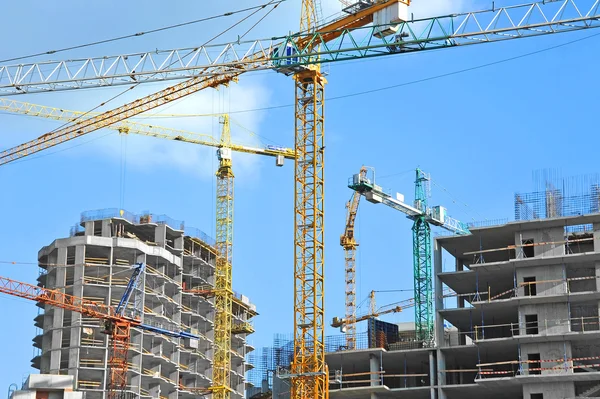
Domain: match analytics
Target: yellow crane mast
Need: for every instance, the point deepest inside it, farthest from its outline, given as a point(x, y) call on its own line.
point(349, 243)
point(309, 373)
point(223, 288)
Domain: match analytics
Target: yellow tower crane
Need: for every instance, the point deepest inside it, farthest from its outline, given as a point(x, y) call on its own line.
point(369, 28)
point(349, 243)
point(142, 129)
point(223, 286)
point(223, 291)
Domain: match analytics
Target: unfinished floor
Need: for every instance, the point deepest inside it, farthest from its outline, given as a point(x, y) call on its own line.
point(95, 263)
point(518, 319)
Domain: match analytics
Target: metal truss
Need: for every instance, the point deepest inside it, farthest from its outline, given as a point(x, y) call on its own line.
point(221, 385)
point(309, 371)
point(286, 53)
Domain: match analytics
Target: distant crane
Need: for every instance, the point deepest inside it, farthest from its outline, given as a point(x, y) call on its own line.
point(348, 242)
point(375, 312)
point(117, 324)
point(423, 216)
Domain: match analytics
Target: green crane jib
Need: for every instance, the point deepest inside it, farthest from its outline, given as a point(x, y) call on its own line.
point(423, 217)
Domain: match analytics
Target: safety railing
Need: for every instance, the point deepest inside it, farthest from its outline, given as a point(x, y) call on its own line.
point(83, 384)
point(406, 379)
point(91, 342)
point(563, 365)
point(202, 236)
point(542, 327)
point(142, 218)
point(164, 219)
point(531, 289)
point(91, 363)
point(92, 261)
point(108, 213)
point(76, 229)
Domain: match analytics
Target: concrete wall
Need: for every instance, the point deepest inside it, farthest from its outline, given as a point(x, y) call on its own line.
point(555, 390)
point(554, 274)
point(549, 351)
point(552, 317)
point(555, 235)
point(597, 266)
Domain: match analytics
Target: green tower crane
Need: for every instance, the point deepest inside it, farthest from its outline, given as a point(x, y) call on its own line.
point(423, 217)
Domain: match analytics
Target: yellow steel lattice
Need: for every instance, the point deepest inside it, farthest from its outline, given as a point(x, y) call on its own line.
point(309, 373)
point(348, 242)
point(223, 289)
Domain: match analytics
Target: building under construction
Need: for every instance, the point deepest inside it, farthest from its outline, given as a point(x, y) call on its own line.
point(95, 263)
point(518, 316)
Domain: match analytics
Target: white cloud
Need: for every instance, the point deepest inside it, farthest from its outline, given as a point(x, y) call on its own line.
point(146, 154)
point(200, 160)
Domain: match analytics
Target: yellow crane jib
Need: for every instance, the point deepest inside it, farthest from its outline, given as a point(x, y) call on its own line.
point(128, 127)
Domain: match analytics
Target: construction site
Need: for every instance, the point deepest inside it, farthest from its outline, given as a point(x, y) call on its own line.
point(136, 304)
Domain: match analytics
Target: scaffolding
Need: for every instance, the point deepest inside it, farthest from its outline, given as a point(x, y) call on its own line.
point(145, 217)
point(280, 355)
point(557, 196)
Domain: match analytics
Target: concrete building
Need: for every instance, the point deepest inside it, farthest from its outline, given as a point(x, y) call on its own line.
point(526, 310)
point(95, 264)
point(521, 321)
point(46, 386)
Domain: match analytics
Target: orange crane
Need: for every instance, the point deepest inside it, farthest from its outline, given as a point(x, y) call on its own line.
point(369, 29)
point(117, 323)
point(349, 243)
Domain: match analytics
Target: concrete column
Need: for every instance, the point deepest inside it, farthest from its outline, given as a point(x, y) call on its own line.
point(438, 289)
point(178, 242)
point(58, 316)
point(75, 342)
point(57, 322)
point(432, 374)
point(89, 228)
point(458, 265)
point(106, 228)
point(160, 235)
point(596, 237)
point(375, 368)
point(441, 374)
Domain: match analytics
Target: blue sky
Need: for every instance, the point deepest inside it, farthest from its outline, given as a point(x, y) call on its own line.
point(480, 134)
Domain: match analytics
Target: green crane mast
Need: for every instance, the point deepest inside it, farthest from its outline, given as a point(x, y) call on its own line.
point(423, 217)
point(422, 262)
